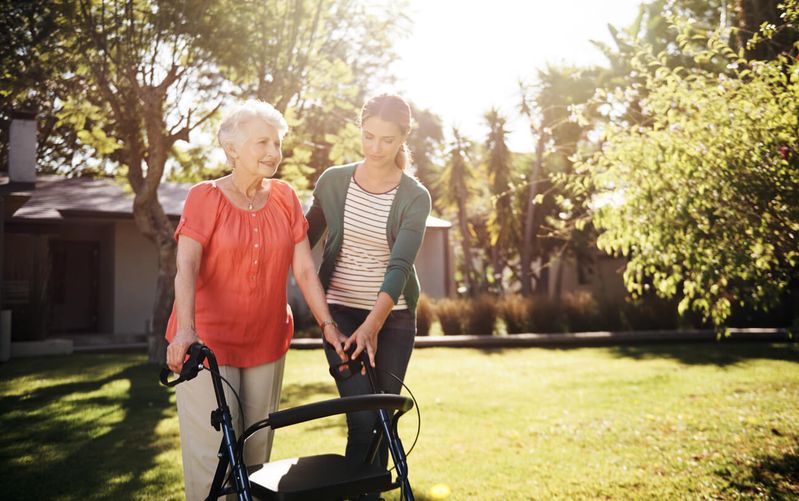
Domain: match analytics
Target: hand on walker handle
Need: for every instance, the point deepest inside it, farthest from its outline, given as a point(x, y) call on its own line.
point(363, 339)
point(177, 349)
point(334, 336)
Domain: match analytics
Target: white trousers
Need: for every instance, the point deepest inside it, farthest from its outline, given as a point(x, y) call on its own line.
point(259, 391)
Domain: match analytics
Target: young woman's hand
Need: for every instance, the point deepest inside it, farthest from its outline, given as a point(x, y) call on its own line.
point(364, 338)
point(176, 351)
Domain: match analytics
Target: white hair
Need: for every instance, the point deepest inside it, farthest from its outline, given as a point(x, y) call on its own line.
point(235, 116)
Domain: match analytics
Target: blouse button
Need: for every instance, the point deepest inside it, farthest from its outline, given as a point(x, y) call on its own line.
point(256, 246)
point(255, 262)
point(256, 230)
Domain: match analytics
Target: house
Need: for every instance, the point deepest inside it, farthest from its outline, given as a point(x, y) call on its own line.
point(602, 278)
point(16, 189)
point(75, 262)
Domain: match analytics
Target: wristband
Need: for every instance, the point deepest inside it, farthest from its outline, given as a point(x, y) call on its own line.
point(325, 323)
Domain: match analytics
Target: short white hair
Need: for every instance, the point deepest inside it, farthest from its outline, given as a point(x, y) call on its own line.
point(235, 116)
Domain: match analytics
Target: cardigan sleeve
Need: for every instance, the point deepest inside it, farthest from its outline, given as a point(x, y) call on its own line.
point(317, 224)
point(406, 246)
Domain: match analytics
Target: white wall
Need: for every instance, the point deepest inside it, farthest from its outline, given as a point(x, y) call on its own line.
point(432, 263)
point(604, 280)
point(136, 275)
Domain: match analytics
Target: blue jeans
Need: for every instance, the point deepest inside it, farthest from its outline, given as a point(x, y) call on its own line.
point(394, 346)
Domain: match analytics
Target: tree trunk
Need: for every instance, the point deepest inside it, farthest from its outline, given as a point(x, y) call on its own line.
point(529, 238)
point(498, 268)
point(154, 224)
point(561, 263)
point(467, 248)
point(164, 298)
point(148, 213)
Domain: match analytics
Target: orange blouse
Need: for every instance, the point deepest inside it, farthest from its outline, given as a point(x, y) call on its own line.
point(241, 311)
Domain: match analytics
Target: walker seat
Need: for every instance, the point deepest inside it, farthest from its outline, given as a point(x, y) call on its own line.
point(325, 476)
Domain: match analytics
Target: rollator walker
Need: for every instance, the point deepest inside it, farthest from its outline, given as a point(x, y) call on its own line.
point(320, 477)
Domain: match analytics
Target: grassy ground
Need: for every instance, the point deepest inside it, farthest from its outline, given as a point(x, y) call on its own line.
point(705, 420)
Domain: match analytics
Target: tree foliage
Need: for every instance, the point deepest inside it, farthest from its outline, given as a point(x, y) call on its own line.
point(702, 195)
point(29, 57)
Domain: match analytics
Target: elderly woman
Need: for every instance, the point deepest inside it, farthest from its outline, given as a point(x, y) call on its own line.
point(237, 238)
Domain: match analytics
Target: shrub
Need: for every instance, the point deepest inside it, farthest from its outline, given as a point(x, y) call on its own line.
point(581, 312)
point(424, 316)
point(481, 315)
point(450, 315)
point(649, 313)
point(546, 315)
point(515, 311)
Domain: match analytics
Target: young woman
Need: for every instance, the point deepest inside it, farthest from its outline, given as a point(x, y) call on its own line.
point(375, 216)
point(237, 238)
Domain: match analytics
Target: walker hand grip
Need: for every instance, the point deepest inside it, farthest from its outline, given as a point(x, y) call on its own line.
point(164, 377)
point(190, 367)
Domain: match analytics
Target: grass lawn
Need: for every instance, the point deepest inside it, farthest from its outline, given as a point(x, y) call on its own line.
point(716, 421)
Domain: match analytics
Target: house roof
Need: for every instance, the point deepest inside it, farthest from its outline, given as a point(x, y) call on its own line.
point(434, 222)
point(56, 198)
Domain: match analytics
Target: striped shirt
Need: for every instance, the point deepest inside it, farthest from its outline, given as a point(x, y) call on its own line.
point(361, 264)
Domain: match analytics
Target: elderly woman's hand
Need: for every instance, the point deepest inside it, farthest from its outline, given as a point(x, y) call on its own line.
point(176, 351)
point(336, 339)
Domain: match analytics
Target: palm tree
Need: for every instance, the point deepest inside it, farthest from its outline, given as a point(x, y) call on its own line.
point(502, 223)
point(549, 229)
point(456, 189)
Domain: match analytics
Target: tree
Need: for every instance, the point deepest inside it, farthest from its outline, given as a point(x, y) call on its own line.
point(29, 56)
point(502, 221)
point(703, 197)
point(315, 60)
point(456, 188)
point(777, 36)
point(425, 142)
point(146, 84)
point(529, 233)
point(555, 219)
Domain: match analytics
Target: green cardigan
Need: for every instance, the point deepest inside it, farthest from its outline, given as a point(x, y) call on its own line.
point(407, 220)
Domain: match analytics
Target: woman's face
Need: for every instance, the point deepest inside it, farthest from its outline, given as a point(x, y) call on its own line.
point(381, 141)
point(260, 154)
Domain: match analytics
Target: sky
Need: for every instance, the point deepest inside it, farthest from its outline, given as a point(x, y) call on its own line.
point(464, 57)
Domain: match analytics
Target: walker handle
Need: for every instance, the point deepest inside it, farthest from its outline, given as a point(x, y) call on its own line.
point(190, 367)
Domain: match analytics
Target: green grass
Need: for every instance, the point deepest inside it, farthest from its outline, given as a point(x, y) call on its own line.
point(714, 421)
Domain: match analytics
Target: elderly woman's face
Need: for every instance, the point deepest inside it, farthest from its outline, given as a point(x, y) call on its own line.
point(260, 154)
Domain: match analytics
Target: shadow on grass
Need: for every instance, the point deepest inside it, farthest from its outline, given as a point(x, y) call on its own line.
point(771, 477)
point(296, 393)
point(59, 455)
point(720, 353)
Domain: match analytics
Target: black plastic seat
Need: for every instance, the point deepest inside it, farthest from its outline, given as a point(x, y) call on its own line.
point(323, 477)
